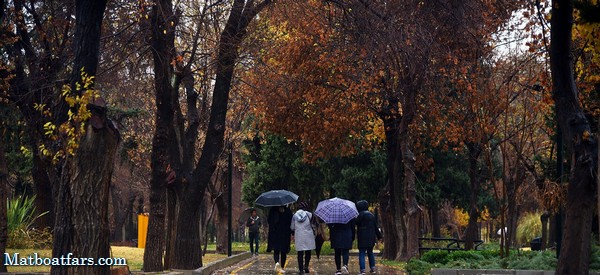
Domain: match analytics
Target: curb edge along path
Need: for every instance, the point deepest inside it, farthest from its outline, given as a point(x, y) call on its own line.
point(224, 264)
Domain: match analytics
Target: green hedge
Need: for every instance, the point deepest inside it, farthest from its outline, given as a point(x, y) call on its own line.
point(490, 259)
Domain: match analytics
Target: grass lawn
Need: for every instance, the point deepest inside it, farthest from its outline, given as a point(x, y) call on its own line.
point(134, 256)
point(393, 264)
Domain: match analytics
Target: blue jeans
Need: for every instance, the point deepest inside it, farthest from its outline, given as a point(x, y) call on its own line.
point(253, 236)
point(361, 258)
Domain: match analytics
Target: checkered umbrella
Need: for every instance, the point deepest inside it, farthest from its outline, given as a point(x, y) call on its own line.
point(336, 210)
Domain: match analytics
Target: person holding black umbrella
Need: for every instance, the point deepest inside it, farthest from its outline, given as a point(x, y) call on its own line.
point(366, 231)
point(280, 218)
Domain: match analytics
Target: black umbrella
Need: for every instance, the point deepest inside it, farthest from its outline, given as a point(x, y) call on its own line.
point(319, 240)
point(248, 212)
point(319, 236)
point(276, 198)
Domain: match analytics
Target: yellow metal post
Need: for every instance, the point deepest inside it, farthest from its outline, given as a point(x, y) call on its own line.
point(142, 230)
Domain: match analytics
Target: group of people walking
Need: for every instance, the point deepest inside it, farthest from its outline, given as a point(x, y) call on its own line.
point(302, 227)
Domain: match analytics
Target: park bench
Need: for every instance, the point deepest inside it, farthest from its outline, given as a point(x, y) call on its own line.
point(451, 244)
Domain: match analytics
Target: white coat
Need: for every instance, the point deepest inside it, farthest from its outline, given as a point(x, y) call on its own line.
point(303, 233)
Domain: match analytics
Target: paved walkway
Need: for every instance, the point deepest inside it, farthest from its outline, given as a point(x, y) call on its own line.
point(263, 264)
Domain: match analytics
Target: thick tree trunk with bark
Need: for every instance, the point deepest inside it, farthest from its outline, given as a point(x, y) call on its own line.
point(62, 237)
point(187, 243)
point(413, 210)
point(81, 222)
point(161, 159)
point(90, 182)
point(171, 226)
point(389, 206)
point(576, 242)
point(472, 232)
point(3, 198)
point(155, 238)
point(222, 235)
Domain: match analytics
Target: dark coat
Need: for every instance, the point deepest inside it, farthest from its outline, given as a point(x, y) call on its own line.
point(254, 227)
point(279, 229)
point(366, 226)
point(341, 235)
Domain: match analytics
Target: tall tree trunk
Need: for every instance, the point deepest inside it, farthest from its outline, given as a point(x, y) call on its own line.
point(43, 191)
point(413, 210)
point(552, 230)
point(62, 240)
point(164, 154)
point(171, 226)
point(514, 182)
point(188, 139)
point(387, 197)
point(221, 218)
point(581, 191)
point(3, 198)
point(81, 222)
point(155, 238)
point(187, 243)
point(435, 223)
point(472, 232)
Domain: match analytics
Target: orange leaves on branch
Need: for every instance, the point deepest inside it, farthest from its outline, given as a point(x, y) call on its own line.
point(306, 88)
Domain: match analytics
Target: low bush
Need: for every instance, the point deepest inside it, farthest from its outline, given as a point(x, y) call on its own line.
point(490, 254)
point(529, 260)
point(595, 258)
point(418, 267)
point(490, 259)
point(435, 256)
point(466, 255)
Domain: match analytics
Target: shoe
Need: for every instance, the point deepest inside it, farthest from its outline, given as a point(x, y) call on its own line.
point(373, 270)
point(345, 270)
point(362, 272)
point(338, 272)
point(277, 267)
point(306, 271)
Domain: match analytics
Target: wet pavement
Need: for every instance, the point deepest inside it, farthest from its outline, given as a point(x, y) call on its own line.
point(264, 264)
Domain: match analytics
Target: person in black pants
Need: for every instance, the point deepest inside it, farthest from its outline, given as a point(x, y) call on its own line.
point(367, 232)
point(254, 223)
point(280, 235)
point(304, 236)
point(341, 237)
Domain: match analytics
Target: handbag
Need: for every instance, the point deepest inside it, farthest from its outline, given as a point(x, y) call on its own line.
point(316, 226)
